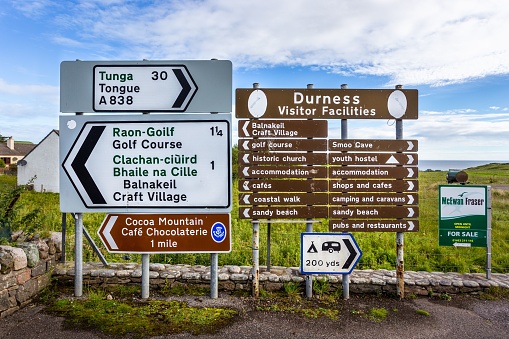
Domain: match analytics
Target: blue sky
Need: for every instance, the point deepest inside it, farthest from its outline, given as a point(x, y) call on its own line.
point(456, 53)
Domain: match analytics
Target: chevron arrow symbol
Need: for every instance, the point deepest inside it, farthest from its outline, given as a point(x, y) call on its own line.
point(79, 165)
point(107, 232)
point(246, 199)
point(244, 128)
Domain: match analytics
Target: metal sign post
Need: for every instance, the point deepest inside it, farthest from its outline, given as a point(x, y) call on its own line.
point(373, 182)
point(143, 163)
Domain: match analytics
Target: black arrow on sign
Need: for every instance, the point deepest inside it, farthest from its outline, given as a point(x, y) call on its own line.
point(78, 165)
point(186, 88)
point(353, 253)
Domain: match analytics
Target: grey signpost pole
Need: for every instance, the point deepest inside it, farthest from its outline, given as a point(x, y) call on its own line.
point(256, 248)
point(145, 271)
point(78, 251)
point(145, 276)
point(64, 231)
point(400, 262)
point(309, 229)
point(78, 255)
point(346, 277)
point(213, 275)
point(256, 258)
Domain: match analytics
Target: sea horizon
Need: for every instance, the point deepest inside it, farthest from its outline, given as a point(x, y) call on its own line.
point(446, 165)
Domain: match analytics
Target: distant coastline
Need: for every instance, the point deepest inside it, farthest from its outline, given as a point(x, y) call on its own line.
point(445, 165)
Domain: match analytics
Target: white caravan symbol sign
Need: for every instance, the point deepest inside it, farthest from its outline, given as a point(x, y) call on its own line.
point(328, 253)
point(147, 163)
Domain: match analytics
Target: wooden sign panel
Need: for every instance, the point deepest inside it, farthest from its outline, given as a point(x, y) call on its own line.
point(372, 159)
point(290, 103)
point(354, 199)
point(254, 185)
point(283, 128)
point(271, 158)
point(166, 233)
point(373, 212)
point(379, 172)
point(283, 145)
point(275, 199)
point(384, 225)
point(373, 186)
point(372, 145)
point(293, 212)
point(283, 172)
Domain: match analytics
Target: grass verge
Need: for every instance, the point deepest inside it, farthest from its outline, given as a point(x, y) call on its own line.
point(121, 317)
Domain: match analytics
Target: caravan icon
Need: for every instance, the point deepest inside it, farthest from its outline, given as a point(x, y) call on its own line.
point(331, 246)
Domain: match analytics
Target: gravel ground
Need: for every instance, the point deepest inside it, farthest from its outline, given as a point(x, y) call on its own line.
point(462, 317)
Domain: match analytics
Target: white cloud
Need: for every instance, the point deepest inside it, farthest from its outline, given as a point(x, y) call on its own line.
point(34, 8)
point(461, 135)
point(18, 89)
point(28, 112)
point(427, 42)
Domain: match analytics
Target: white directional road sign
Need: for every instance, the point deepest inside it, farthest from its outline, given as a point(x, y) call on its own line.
point(143, 88)
point(145, 163)
point(328, 253)
point(195, 86)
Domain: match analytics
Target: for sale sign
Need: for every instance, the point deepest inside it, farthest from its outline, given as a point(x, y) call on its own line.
point(463, 215)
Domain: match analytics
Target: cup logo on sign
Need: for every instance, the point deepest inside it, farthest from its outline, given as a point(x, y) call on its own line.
point(397, 104)
point(218, 232)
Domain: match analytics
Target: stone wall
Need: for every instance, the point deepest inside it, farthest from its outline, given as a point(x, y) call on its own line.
point(25, 270)
point(235, 278)
point(29, 267)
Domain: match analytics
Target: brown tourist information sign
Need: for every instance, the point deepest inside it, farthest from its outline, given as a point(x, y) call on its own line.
point(264, 158)
point(288, 169)
point(166, 233)
point(372, 159)
point(378, 225)
point(354, 199)
point(282, 172)
point(293, 212)
point(270, 103)
point(275, 199)
point(283, 128)
point(373, 186)
point(282, 145)
point(379, 172)
point(283, 186)
point(368, 145)
point(373, 212)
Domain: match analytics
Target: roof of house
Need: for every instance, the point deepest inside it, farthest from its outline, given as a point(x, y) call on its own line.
point(20, 149)
point(35, 146)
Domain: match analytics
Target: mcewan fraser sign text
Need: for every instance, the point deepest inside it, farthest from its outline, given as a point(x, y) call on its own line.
point(326, 103)
point(463, 215)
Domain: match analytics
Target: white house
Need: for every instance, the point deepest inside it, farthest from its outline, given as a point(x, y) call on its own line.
point(42, 163)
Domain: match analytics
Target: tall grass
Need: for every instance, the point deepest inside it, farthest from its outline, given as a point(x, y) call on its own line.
point(421, 250)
